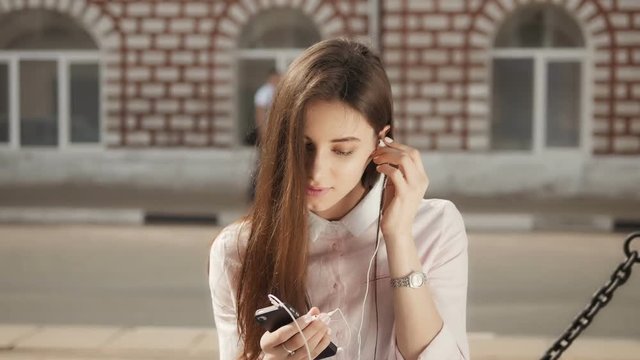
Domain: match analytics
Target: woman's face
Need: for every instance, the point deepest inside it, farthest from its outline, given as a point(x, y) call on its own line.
point(339, 142)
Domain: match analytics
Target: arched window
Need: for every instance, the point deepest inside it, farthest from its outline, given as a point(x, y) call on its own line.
point(270, 41)
point(49, 81)
point(538, 78)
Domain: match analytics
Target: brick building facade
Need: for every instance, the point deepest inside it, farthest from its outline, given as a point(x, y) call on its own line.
point(171, 78)
point(441, 69)
point(169, 72)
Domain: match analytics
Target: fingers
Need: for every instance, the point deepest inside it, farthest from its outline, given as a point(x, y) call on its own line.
point(273, 340)
point(324, 342)
point(395, 174)
point(401, 160)
point(393, 145)
point(316, 333)
point(297, 341)
point(286, 332)
point(314, 344)
point(415, 154)
point(404, 157)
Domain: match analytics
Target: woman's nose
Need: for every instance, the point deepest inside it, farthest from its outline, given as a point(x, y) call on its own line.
point(317, 165)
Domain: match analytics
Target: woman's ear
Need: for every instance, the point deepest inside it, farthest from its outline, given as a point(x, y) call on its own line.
point(383, 133)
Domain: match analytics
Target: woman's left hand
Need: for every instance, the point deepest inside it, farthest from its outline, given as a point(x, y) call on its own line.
point(407, 183)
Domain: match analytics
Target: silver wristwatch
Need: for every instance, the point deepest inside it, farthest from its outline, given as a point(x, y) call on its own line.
point(414, 280)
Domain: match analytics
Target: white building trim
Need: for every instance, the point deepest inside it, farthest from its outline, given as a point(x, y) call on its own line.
point(541, 59)
point(63, 60)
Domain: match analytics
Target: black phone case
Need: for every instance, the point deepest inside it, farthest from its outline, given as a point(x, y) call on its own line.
point(274, 317)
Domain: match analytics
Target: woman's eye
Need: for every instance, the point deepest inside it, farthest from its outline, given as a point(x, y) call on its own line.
point(343, 153)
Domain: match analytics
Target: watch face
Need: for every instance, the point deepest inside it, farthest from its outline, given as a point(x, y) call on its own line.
point(415, 280)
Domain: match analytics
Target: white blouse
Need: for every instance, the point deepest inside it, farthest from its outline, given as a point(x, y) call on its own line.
point(339, 255)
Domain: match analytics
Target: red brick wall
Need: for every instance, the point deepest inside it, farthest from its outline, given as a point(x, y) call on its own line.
point(617, 78)
point(436, 53)
point(159, 80)
point(169, 77)
point(171, 83)
point(423, 45)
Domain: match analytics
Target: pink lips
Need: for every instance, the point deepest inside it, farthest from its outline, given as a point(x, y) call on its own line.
point(316, 191)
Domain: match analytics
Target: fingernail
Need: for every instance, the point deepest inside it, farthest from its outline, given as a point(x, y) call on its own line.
point(325, 318)
point(329, 332)
point(388, 139)
point(309, 318)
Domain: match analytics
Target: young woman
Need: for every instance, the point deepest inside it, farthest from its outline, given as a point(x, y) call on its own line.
point(310, 238)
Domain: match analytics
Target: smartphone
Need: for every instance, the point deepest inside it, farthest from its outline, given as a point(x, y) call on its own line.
point(275, 316)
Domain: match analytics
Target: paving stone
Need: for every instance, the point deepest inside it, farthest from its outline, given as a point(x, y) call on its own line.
point(9, 334)
point(68, 337)
point(156, 338)
point(516, 348)
point(207, 344)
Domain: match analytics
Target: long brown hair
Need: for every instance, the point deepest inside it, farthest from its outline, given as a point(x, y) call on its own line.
point(275, 259)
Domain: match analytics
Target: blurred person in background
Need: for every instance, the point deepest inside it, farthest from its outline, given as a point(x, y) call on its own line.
point(323, 235)
point(262, 101)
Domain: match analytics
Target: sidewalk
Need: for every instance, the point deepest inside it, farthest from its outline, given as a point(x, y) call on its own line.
point(31, 342)
point(124, 205)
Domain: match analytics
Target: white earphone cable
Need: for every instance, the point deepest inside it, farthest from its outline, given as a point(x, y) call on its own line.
point(375, 252)
point(274, 299)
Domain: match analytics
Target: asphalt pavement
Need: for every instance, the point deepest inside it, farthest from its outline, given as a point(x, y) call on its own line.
point(140, 292)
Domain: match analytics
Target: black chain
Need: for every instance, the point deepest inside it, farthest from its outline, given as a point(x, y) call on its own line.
point(600, 299)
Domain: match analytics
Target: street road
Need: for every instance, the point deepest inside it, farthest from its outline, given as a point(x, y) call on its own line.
point(520, 283)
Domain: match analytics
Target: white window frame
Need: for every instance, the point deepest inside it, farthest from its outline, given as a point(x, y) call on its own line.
point(541, 58)
point(282, 57)
point(63, 60)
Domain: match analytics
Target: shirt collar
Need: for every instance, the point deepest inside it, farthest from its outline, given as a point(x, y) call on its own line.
point(357, 220)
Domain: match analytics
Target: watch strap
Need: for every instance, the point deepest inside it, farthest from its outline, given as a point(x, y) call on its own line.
point(405, 281)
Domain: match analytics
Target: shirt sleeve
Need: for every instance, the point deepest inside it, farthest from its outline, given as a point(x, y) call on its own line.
point(222, 296)
point(263, 96)
point(447, 279)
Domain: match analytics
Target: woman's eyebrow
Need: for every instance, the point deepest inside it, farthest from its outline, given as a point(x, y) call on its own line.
point(345, 139)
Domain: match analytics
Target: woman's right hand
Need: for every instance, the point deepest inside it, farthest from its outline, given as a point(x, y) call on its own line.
point(315, 330)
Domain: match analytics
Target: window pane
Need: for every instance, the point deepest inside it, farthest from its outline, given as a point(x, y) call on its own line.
point(512, 104)
point(539, 25)
point(253, 73)
point(85, 103)
point(563, 104)
point(279, 28)
point(38, 103)
point(4, 103)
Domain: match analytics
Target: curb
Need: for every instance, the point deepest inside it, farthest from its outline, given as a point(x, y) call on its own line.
point(551, 222)
point(521, 222)
point(55, 215)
